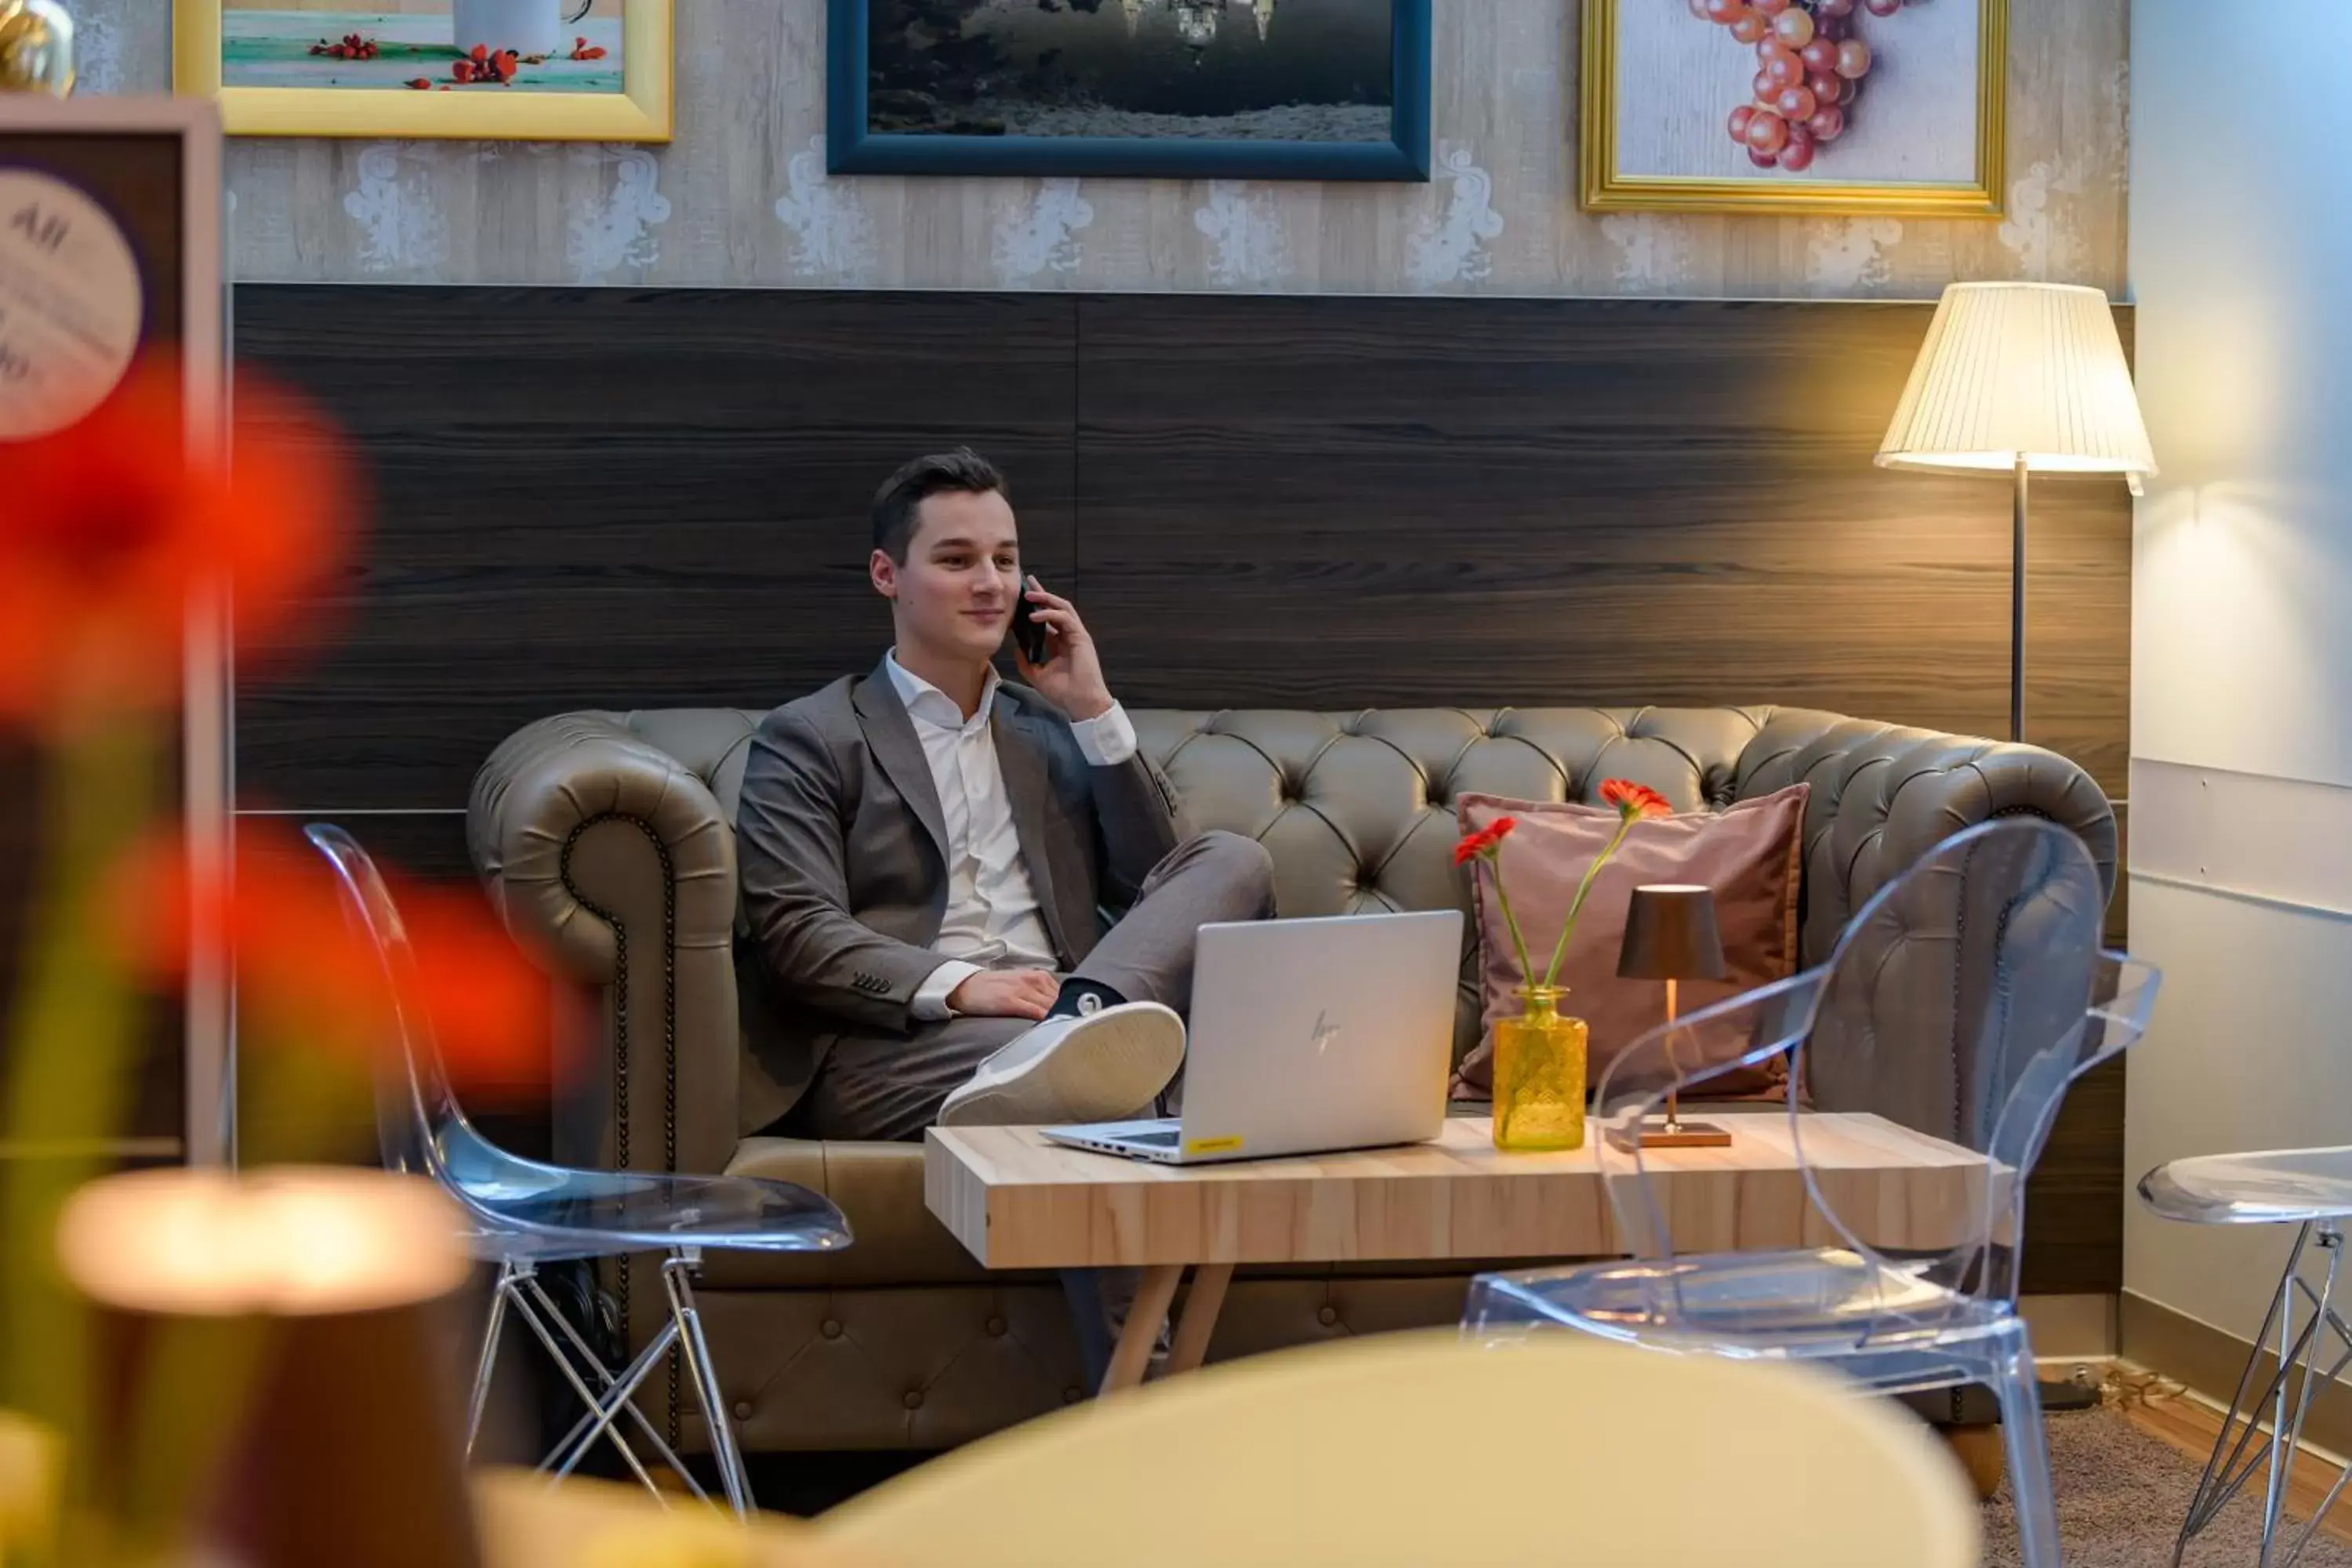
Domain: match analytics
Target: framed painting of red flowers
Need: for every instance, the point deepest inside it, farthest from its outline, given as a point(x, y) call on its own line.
point(542, 70)
point(1852, 107)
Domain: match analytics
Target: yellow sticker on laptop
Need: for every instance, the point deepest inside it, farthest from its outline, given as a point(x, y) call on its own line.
point(1212, 1145)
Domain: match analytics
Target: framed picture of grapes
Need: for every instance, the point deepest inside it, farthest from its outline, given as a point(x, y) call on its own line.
point(1794, 106)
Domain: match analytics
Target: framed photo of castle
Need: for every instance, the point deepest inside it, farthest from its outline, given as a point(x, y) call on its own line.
point(1258, 89)
point(1794, 106)
point(537, 71)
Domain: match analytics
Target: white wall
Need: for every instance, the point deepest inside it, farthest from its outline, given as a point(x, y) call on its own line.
point(2241, 223)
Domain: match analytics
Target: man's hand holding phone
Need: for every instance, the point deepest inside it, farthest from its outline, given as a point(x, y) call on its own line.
point(1070, 674)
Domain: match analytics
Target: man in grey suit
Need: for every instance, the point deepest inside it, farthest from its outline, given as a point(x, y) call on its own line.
point(925, 851)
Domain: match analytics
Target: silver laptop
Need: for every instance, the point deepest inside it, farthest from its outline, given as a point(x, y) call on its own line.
point(1306, 1035)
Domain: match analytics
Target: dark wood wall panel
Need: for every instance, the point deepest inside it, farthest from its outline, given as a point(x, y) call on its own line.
point(1326, 502)
point(611, 498)
point(640, 497)
point(2074, 1200)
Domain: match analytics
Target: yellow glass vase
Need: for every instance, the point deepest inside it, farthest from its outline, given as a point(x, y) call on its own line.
point(1539, 1075)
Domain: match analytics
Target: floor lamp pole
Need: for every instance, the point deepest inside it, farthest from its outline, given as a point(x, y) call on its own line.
point(2017, 606)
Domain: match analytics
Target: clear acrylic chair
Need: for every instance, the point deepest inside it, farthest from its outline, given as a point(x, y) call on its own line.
point(1959, 1004)
point(2310, 1189)
point(521, 1215)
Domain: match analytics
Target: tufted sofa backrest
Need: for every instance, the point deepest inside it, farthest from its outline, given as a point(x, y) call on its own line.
point(1357, 807)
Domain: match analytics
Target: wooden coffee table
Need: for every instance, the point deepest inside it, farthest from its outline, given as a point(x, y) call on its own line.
point(1017, 1200)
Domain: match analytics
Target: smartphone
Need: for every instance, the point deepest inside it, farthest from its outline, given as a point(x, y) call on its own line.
point(1028, 633)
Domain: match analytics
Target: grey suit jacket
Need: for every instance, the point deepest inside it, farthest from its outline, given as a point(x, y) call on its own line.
point(841, 852)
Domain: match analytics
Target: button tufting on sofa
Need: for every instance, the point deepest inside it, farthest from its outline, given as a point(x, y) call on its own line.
point(913, 1399)
point(994, 1327)
point(1327, 1315)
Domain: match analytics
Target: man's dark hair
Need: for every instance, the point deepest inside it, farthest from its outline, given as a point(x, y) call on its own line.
point(904, 492)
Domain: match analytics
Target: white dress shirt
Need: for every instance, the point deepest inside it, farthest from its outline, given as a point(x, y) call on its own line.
point(992, 918)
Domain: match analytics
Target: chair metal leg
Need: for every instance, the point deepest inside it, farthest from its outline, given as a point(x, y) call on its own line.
point(581, 1433)
point(2028, 1448)
point(2323, 1318)
point(586, 1397)
point(2304, 1371)
point(607, 1396)
point(517, 1285)
point(676, 1269)
point(605, 1410)
point(2225, 1472)
point(2274, 1493)
point(490, 1356)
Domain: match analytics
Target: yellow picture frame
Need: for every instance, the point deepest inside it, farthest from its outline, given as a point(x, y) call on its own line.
point(1602, 188)
point(644, 110)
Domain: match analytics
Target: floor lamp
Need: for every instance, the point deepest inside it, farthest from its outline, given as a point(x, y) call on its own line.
point(2020, 378)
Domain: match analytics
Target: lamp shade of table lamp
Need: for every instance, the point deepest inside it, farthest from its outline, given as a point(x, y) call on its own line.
point(1671, 935)
point(324, 1293)
point(2016, 378)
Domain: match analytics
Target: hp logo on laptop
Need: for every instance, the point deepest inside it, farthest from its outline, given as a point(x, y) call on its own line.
point(1326, 1032)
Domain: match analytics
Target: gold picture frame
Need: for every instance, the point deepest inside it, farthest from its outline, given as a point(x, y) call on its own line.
point(644, 110)
point(1603, 188)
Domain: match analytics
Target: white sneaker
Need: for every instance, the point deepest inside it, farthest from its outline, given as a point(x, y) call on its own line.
point(1095, 1068)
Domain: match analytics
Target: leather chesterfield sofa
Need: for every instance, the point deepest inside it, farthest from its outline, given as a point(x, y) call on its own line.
point(606, 841)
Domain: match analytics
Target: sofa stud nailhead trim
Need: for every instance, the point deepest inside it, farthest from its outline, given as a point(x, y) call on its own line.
point(620, 991)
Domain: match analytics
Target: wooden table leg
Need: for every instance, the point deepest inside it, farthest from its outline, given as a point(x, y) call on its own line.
point(1142, 1329)
point(1201, 1305)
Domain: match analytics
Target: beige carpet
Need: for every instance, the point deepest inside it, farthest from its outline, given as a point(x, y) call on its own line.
point(2121, 1497)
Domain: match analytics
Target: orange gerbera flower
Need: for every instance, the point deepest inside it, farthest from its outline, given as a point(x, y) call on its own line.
point(306, 972)
point(1487, 841)
point(108, 532)
point(1634, 800)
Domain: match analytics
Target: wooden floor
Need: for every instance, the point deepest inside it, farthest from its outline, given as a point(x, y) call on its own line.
point(2190, 1424)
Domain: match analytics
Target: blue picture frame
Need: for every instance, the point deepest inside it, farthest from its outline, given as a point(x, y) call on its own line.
point(852, 148)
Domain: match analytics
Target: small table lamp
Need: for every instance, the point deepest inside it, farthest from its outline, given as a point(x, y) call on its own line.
point(1671, 935)
point(313, 1303)
point(2015, 377)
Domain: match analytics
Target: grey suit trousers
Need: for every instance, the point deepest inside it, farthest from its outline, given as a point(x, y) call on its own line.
point(890, 1086)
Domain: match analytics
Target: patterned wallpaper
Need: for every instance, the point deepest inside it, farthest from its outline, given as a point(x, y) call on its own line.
point(742, 198)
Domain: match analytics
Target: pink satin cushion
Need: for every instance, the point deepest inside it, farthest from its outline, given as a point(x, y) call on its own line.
point(1749, 854)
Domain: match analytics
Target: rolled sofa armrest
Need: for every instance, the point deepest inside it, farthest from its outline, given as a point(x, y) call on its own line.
point(607, 854)
point(1882, 795)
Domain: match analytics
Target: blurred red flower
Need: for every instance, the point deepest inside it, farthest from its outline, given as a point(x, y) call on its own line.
point(307, 972)
point(1634, 800)
point(109, 530)
point(1487, 841)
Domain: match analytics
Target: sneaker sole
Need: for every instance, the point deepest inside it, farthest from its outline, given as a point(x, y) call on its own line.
point(1107, 1068)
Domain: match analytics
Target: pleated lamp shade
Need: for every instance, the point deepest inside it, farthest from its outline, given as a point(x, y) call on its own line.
point(2012, 370)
